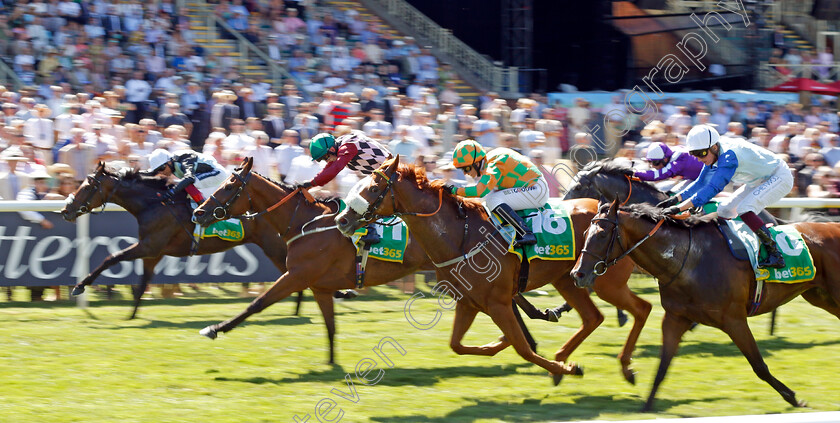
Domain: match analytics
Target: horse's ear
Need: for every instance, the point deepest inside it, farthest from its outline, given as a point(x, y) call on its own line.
point(100, 167)
point(394, 163)
point(614, 208)
point(247, 164)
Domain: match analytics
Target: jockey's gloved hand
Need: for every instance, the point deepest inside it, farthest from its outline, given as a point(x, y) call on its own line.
point(167, 195)
point(304, 185)
point(670, 211)
point(449, 188)
point(669, 202)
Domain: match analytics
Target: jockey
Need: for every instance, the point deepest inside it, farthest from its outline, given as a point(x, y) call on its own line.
point(667, 163)
point(766, 179)
point(200, 175)
point(508, 179)
point(356, 151)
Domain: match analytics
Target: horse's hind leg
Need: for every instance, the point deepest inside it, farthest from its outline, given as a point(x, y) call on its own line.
point(285, 286)
point(325, 303)
point(739, 331)
point(673, 328)
point(503, 317)
point(148, 271)
point(464, 317)
point(612, 288)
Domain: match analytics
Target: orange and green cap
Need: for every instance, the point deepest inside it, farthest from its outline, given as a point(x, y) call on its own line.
point(467, 152)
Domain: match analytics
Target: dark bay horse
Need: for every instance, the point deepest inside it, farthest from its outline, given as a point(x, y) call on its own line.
point(700, 281)
point(458, 231)
point(163, 229)
point(611, 180)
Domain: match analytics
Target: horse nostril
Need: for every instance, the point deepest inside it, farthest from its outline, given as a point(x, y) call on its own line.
point(578, 275)
point(343, 221)
point(198, 212)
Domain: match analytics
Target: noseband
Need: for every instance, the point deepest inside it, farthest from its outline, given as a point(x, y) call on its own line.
point(602, 264)
point(97, 189)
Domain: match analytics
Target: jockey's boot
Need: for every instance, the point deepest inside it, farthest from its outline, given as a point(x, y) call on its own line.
point(774, 257)
point(372, 236)
point(524, 236)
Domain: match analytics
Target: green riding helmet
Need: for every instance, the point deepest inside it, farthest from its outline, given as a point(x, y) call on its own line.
point(320, 145)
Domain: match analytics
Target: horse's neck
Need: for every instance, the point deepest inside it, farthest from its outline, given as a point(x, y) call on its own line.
point(131, 197)
point(663, 253)
point(442, 236)
point(618, 187)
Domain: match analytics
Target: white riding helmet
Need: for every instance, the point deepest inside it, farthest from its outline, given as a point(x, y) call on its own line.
point(158, 158)
point(702, 137)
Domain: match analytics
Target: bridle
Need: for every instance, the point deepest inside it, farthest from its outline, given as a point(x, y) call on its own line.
point(96, 184)
point(220, 212)
point(370, 214)
point(603, 264)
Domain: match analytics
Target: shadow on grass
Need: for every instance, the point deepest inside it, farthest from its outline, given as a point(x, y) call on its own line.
point(530, 410)
point(725, 348)
point(200, 324)
point(393, 377)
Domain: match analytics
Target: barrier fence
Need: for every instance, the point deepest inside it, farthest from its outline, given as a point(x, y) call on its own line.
point(33, 256)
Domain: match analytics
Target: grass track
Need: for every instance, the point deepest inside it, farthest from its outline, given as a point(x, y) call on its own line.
point(62, 364)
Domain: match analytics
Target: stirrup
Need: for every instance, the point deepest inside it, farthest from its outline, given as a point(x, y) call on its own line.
point(773, 261)
point(526, 239)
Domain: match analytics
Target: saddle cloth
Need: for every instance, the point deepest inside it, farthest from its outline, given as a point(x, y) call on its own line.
point(799, 265)
point(393, 236)
point(227, 230)
point(553, 228)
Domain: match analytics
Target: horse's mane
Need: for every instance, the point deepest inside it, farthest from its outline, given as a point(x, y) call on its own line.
point(418, 175)
point(136, 176)
point(289, 188)
point(654, 214)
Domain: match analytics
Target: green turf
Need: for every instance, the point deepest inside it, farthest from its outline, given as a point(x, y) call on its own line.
point(62, 364)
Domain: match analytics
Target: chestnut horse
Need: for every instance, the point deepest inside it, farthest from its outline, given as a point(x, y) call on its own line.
point(458, 231)
point(699, 279)
point(163, 229)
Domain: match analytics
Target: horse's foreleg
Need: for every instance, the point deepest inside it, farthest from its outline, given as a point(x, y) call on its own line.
point(503, 317)
point(464, 317)
point(612, 288)
point(739, 331)
point(133, 251)
point(590, 317)
point(285, 286)
point(139, 290)
point(298, 302)
point(325, 303)
point(673, 328)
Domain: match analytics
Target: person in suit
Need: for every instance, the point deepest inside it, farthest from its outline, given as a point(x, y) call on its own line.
point(79, 155)
point(13, 180)
point(247, 106)
point(172, 116)
point(273, 124)
point(230, 110)
point(291, 100)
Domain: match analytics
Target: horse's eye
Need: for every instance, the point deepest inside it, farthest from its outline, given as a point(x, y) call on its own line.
point(228, 186)
point(374, 189)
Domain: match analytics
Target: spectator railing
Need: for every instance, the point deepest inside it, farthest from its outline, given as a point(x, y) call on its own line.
point(246, 47)
point(9, 77)
point(771, 74)
point(490, 74)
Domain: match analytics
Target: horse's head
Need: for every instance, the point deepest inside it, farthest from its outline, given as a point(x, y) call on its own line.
point(223, 203)
point(602, 236)
point(583, 185)
point(93, 192)
point(366, 200)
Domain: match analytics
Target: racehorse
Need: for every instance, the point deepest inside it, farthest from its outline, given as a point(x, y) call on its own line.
point(322, 259)
point(701, 281)
point(458, 230)
point(163, 229)
point(612, 180)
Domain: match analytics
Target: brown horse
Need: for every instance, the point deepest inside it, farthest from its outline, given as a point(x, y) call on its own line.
point(319, 257)
point(458, 231)
point(700, 281)
point(163, 229)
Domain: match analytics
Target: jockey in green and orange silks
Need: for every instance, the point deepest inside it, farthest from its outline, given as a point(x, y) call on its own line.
point(506, 179)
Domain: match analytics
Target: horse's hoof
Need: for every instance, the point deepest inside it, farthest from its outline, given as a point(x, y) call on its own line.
point(578, 370)
point(622, 319)
point(350, 294)
point(552, 315)
point(78, 290)
point(209, 332)
point(802, 403)
point(556, 378)
point(630, 376)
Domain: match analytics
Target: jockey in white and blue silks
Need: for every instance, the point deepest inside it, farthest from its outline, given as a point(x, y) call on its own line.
point(668, 163)
point(765, 177)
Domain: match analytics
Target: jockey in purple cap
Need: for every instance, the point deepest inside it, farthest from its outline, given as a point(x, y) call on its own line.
point(667, 163)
